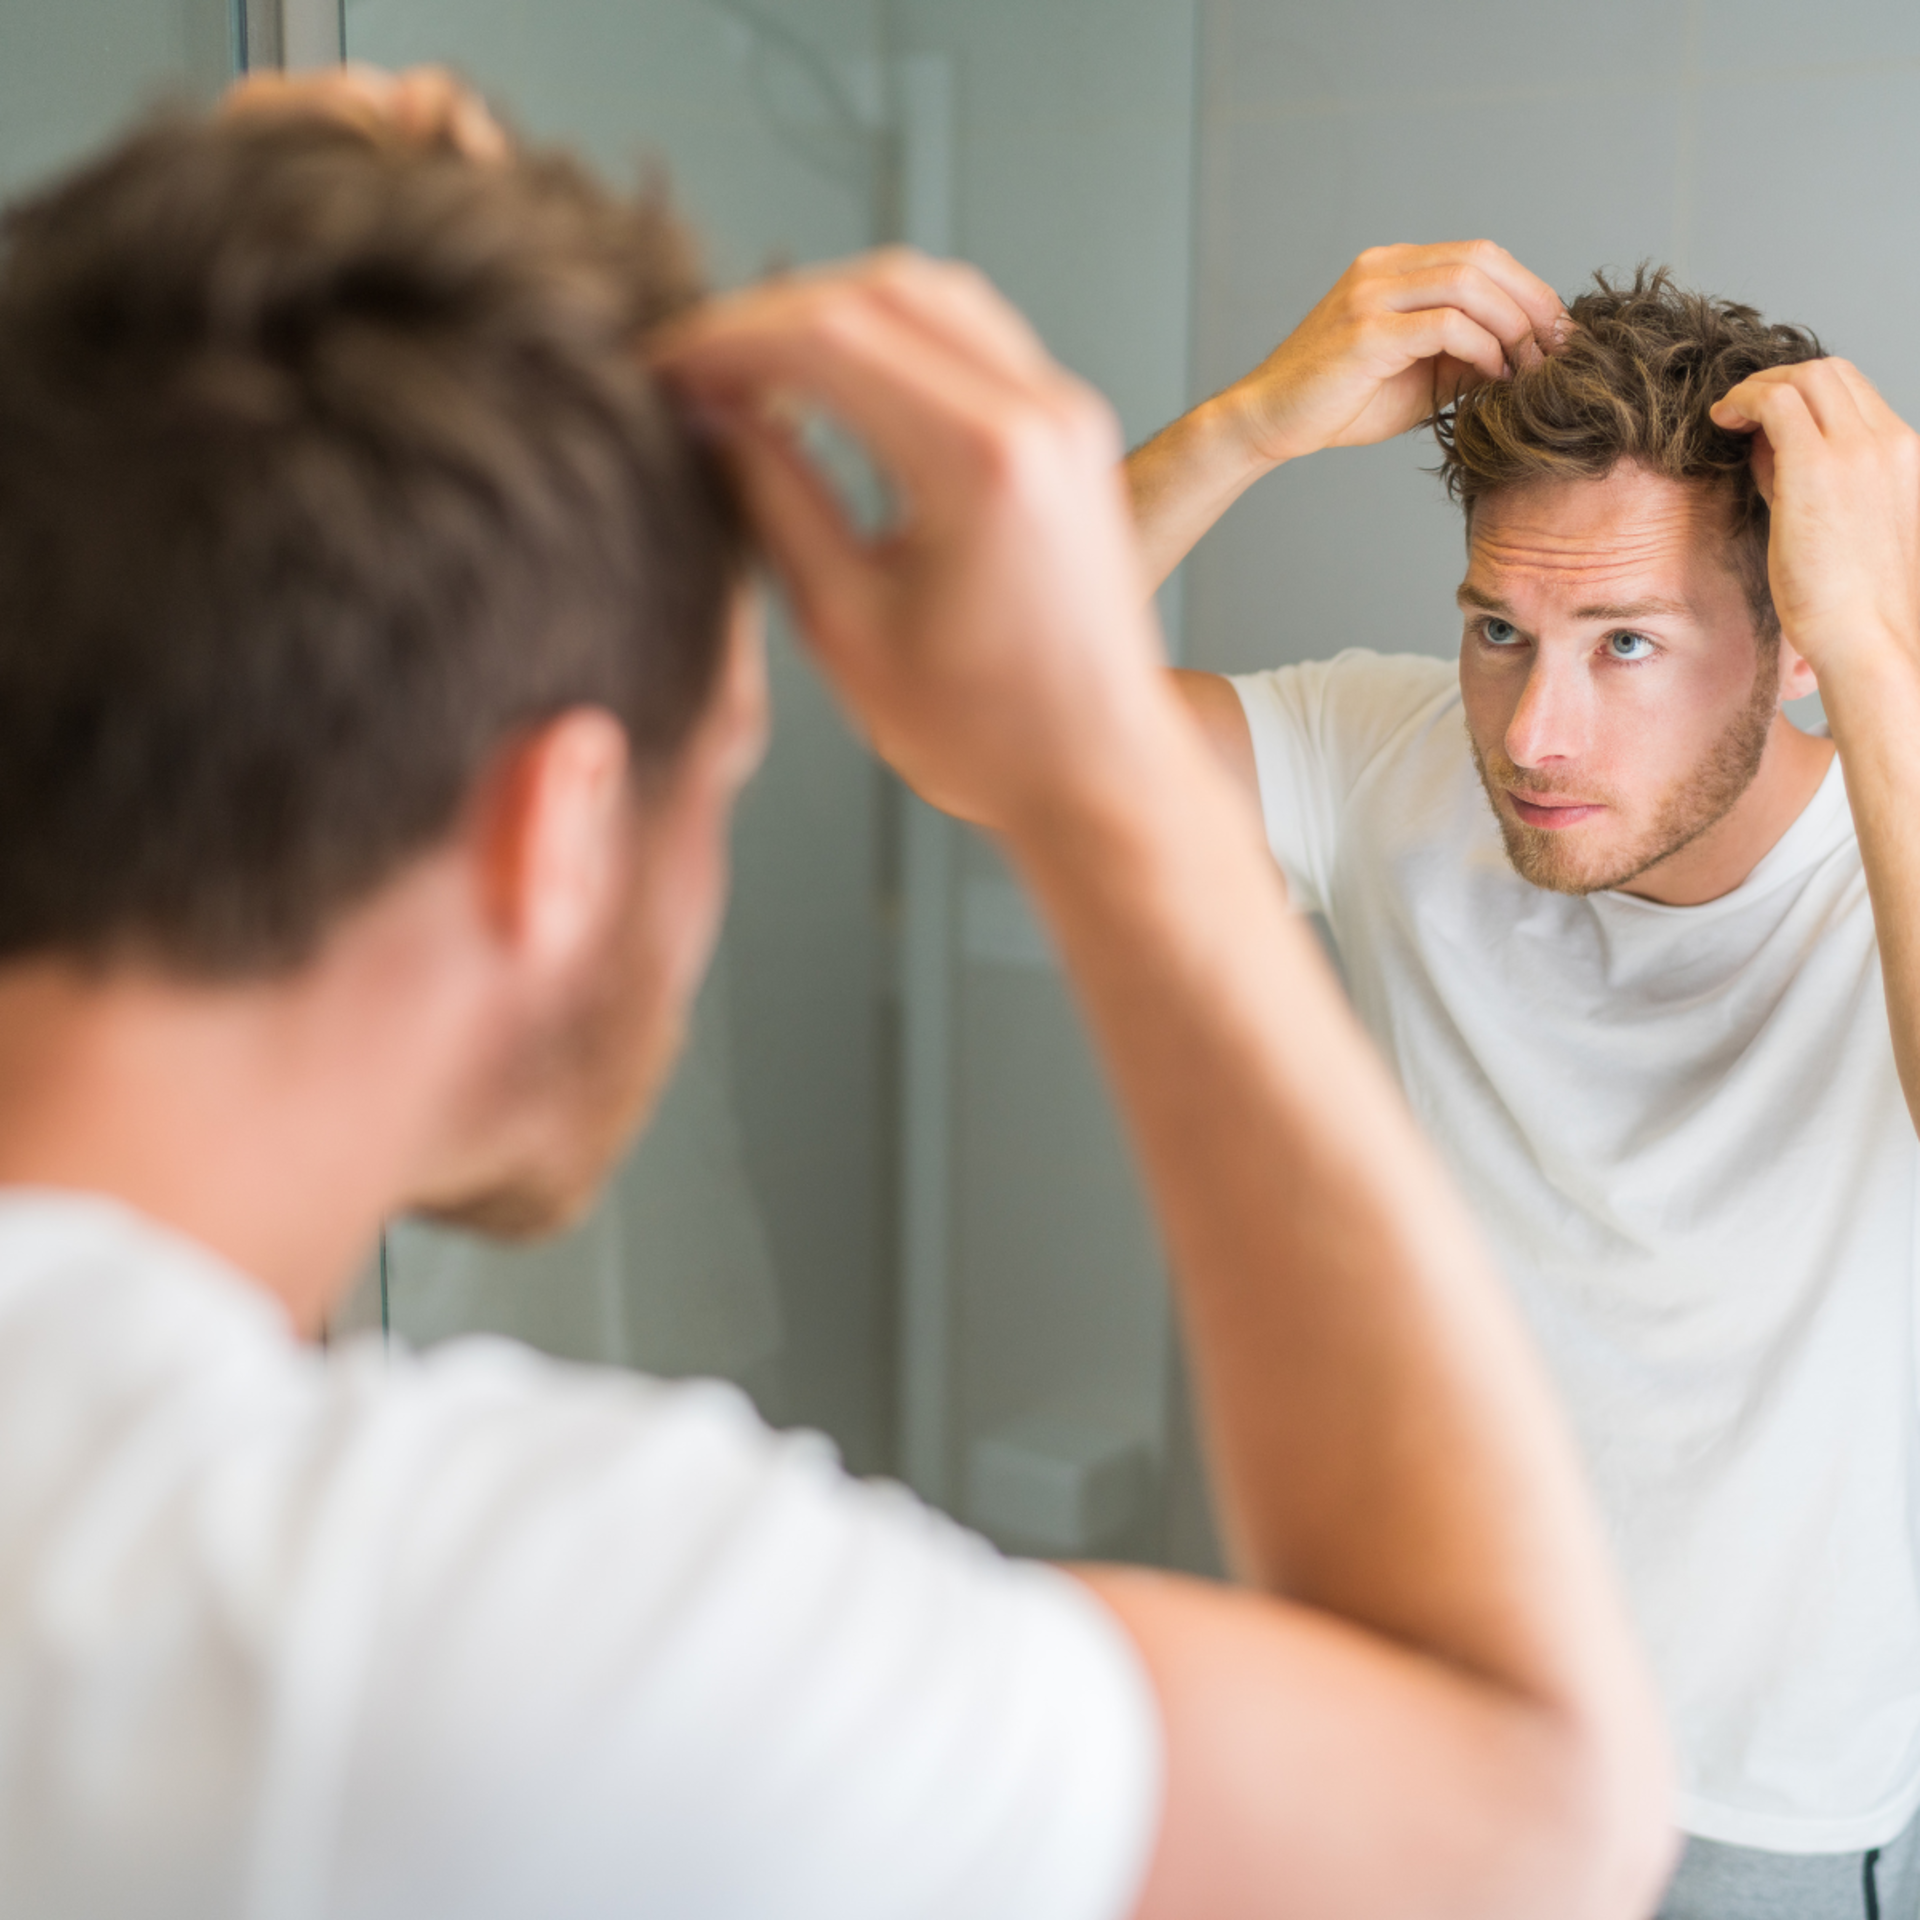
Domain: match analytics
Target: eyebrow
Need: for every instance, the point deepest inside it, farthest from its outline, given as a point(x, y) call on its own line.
point(1630, 610)
point(1470, 596)
point(1473, 597)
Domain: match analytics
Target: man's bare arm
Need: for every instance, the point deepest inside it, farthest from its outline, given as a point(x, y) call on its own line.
point(1431, 1705)
point(1841, 473)
point(1403, 331)
point(1223, 725)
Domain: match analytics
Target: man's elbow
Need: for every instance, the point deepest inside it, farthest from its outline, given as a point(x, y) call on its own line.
point(1603, 1802)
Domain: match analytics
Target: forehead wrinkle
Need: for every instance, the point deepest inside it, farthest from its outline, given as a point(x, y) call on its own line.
point(1595, 530)
point(1612, 576)
point(1593, 553)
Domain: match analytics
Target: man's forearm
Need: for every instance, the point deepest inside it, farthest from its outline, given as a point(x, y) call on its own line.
point(1873, 708)
point(1184, 478)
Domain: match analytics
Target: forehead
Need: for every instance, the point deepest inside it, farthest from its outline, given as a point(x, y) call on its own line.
point(1632, 536)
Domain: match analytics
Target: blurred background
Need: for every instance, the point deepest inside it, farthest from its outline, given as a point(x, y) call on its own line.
point(886, 1192)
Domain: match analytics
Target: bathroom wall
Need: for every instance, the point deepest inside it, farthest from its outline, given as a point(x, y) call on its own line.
point(73, 71)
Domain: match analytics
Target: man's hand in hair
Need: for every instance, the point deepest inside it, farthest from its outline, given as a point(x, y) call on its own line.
point(1841, 472)
point(1404, 331)
point(426, 104)
point(994, 641)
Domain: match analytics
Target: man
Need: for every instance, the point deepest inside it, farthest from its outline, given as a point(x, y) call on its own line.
point(376, 676)
point(1623, 932)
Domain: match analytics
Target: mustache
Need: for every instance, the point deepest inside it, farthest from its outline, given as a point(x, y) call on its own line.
point(1496, 770)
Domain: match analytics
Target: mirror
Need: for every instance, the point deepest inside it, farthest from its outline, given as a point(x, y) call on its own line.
point(885, 1191)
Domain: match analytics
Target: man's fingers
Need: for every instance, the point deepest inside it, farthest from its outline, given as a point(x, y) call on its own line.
point(1546, 316)
point(794, 514)
point(927, 412)
point(1438, 331)
point(1481, 298)
point(1777, 409)
point(1806, 399)
point(423, 104)
point(1867, 397)
point(430, 103)
point(1546, 312)
point(359, 94)
point(1734, 411)
point(959, 306)
point(1828, 398)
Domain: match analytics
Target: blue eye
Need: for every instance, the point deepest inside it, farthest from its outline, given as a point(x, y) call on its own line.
point(1499, 633)
point(1628, 646)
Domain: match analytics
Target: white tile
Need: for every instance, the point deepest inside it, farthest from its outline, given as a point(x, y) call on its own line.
point(1805, 205)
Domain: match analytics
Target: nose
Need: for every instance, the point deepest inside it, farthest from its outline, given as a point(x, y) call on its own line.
point(1553, 720)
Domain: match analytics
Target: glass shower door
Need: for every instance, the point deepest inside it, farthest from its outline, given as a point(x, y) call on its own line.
point(748, 1235)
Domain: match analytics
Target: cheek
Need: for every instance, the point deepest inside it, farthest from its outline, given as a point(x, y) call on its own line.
point(1488, 698)
point(1670, 724)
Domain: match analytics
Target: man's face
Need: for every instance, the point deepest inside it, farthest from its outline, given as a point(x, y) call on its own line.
point(1617, 694)
point(569, 1090)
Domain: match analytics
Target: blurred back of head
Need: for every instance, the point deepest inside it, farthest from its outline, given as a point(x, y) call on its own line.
point(1644, 362)
point(326, 463)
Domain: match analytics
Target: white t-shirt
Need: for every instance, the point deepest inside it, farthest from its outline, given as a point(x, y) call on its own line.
point(1682, 1132)
point(285, 1635)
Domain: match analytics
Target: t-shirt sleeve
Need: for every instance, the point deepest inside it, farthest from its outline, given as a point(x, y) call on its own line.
point(627, 1651)
point(1316, 728)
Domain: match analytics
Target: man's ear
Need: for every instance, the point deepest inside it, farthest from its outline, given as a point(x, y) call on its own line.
point(1796, 677)
point(551, 835)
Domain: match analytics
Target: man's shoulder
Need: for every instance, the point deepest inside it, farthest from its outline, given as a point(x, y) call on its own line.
point(80, 1251)
point(1356, 685)
point(1422, 674)
point(1345, 711)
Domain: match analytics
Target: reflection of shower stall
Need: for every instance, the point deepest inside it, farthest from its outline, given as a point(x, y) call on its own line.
point(683, 1268)
point(294, 34)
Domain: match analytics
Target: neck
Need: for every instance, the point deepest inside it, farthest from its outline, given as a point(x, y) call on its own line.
point(264, 1120)
point(1792, 767)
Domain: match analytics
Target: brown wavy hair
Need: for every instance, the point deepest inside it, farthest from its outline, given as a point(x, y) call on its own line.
point(327, 464)
point(1644, 361)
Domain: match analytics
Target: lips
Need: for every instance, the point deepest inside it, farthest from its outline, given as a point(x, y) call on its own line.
point(1553, 815)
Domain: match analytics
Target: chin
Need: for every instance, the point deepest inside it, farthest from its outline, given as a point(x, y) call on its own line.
point(520, 1210)
point(571, 1137)
point(1547, 861)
